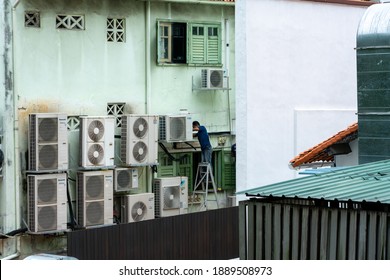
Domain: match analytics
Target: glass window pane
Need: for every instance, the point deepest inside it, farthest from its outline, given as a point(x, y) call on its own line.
point(164, 48)
point(201, 32)
point(194, 31)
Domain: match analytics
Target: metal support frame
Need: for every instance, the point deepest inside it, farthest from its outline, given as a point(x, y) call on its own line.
point(204, 176)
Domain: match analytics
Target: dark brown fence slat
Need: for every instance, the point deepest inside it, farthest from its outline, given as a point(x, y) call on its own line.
point(204, 235)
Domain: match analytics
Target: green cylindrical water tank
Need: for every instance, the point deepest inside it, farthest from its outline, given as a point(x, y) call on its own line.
point(373, 83)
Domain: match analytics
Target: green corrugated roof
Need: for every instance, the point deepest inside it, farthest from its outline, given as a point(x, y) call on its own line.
point(368, 182)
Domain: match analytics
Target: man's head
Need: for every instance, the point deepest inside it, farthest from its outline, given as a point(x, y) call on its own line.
point(195, 124)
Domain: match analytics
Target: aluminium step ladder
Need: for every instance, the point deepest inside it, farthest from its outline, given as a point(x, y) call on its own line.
point(204, 177)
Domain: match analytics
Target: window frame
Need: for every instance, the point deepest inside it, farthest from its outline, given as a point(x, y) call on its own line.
point(160, 47)
point(209, 51)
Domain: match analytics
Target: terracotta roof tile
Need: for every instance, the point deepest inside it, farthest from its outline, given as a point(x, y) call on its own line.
point(319, 153)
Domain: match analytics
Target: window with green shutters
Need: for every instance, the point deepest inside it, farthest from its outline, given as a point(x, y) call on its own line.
point(189, 43)
point(205, 45)
point(225, 170)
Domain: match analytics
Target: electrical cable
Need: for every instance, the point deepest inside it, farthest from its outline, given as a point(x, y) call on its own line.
point(170, 156)
point(16, 231)
point(73, 221)
point(1, 159)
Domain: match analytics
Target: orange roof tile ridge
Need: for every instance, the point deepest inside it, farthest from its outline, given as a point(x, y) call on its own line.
point(309, 153)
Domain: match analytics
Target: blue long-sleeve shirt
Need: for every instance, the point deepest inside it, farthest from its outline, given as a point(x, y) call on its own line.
point(203, 138)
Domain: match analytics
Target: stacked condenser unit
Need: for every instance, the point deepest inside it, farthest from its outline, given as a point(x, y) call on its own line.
point(139, 140)
point(138, 148)
point(95, 178)
point(46, 174)
point(102, 187)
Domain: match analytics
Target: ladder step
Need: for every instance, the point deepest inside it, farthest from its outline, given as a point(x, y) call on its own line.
point(202, 192)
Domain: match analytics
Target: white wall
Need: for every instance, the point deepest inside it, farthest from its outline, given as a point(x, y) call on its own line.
point(296, 82)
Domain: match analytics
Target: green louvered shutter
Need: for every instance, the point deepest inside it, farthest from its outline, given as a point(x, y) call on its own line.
point(213, 54)
point(205, 44)
point(225, 172)
point(166, 166)
point(197, 52)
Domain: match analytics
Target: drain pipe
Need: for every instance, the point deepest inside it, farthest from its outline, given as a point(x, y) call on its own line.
point(147, 58)
point(16, 127)
point(148, 82)
point(227, 69)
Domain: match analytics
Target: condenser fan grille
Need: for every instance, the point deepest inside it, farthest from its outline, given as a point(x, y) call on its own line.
point(216, 78)
point(124, 179)
point(95, 154)
point(140, 127)
point(171, 197)
point(140, 151)
point(47, 191)
point(94, 187)
point(138, 211)
point(48, 129)
point(177, 128)
point(95, 130)
point(48, 157)
point(95, 213)
point(47, 218)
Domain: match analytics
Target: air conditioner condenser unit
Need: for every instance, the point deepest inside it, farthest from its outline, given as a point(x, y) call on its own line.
point(95, 204)
point(139, 140)
point(171, 196)
point(97, 135)
point(47, 142)
point(47, 202)
point(137, 207)
point(125, 179)
point(212, 78)
point(176, 128)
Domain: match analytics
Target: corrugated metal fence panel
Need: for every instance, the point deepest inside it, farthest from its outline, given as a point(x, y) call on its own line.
point(204, 235)
point(302, 232)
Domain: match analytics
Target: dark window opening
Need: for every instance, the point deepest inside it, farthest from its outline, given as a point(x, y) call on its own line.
point(179, 39)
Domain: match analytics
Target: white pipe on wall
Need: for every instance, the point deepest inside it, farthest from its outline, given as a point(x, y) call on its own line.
point(16, 130)
point(147, 59)
point(148, 84)
point(227, 67)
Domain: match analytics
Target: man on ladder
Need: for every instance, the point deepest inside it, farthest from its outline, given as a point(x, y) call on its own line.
point(204, 174)
point(204, 141)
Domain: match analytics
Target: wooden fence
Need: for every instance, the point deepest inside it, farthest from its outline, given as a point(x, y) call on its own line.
point(302, 230)
point(207, 235)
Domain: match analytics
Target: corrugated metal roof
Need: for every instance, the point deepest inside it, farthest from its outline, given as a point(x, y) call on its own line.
point(368, 182)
